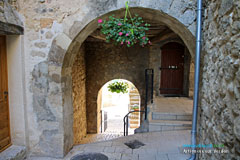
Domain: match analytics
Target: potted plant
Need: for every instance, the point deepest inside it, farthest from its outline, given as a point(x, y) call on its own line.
point(135, 108)
point(125, 31)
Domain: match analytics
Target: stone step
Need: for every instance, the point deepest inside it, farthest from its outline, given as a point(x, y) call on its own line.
point(134, 122)
point(167, 125)
point(133, 91)
point(172, 116)
point(134, 127)
point(134, 117)
point(134, 100)
point(134, 104)
point(134, 113)
point(134, 94)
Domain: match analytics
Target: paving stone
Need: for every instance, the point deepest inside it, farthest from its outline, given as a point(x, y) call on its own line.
point(147, 156)
point(93, 148)
point(90, 156)
point(129, 156)
point(162, 157)
point(123, 150)
point(141, 151)
point(178, 156)
point(116, 156)
point(158, 146)
point(13, 152)
point(109, 149)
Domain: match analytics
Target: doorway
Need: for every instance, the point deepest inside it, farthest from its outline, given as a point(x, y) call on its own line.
point(114, 106)
point(5, 139)
point(172, 69)
point(111, 108)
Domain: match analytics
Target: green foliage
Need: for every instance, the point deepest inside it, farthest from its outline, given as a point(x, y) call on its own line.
point(128, 31)
point(118, 87)
point(135, 107)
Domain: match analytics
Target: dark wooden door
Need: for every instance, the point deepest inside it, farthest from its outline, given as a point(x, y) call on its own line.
point(4, 110)
point(172, 69)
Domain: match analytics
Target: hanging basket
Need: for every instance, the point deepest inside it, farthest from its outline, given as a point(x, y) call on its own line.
point(118, 87)
point(125, 31)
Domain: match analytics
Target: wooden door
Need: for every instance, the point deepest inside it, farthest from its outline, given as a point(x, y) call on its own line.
point(172, 69)
point(4, 110)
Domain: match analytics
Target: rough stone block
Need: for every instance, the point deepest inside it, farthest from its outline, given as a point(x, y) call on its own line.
point(14, 153)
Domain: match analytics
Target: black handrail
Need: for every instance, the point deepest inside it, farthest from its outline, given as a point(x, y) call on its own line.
point(125, 122)
point(101, 121)
point(149, 73)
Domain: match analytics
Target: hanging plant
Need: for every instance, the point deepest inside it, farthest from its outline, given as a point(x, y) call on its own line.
point(125, 31)
point(118, 87)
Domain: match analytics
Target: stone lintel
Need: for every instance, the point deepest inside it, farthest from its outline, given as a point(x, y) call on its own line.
point(10, 29)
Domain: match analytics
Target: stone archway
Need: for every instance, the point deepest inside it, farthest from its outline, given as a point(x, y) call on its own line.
point(54, 101)
point(69, 56)
point(116, 106)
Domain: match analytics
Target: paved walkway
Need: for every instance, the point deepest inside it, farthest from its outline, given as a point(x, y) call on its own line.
point(91, 138)
point(163, 105)
point(173, 105)
point(158, 146)
point(114, 130)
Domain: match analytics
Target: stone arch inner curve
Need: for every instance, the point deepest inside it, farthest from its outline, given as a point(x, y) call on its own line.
point(107, 99)
point(64, 51)
point(154, 15)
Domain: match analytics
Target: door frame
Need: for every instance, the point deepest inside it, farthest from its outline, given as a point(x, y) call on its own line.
point(186, 70)
point(8, 110)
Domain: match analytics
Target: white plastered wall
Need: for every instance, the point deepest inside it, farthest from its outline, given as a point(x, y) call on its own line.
point(16, 90)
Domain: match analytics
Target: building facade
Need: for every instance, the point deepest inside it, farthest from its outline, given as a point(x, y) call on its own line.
point(45, 40)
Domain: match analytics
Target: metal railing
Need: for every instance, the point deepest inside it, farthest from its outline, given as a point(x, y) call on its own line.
point(125, 122)
point(149, 78)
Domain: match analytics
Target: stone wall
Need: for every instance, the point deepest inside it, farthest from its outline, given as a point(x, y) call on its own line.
point(10, 22)
point(99, 107)
point(105, 62)
point(54, 32)
point(219, 121)
point(79, 97)
point(191, 79)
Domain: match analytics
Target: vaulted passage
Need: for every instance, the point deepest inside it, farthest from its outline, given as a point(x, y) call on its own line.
point(98, 62)
point(52, 78)
point(90, 62)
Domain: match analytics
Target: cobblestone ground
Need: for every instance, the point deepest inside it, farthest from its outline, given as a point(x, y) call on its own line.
point(114, 130)
point(158, 146)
